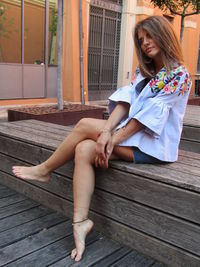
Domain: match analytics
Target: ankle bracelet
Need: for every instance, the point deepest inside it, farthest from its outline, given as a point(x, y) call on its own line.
point(80, 221)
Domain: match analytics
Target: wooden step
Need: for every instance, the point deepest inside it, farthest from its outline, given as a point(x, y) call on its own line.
point(152, 208)
point(190, 139)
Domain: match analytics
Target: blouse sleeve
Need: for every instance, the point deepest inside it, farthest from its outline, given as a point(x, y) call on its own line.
point(124, 94)
point(155, 110)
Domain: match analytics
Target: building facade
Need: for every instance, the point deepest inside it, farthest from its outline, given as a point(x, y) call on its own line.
point(28, 47)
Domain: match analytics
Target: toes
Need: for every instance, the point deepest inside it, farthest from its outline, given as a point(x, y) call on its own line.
point(78, 257)
point(77, 254)
point(73, 254)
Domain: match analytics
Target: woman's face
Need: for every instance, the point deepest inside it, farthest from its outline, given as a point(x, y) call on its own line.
point(148, 45)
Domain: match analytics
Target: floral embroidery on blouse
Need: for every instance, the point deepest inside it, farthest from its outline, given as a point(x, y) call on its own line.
point(168, 83)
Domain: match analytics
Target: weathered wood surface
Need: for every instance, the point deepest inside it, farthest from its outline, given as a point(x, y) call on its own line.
point(143, 205)
point(41, 237)
point(190, 139)
point(192, 117)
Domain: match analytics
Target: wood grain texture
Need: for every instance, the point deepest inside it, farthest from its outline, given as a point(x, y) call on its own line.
point(35, 242)
point(52, 253)
point(30, 228)
point(23, 217)
point(140, 241)
point(156, 205)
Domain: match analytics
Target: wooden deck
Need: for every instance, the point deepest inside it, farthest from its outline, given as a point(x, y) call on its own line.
point(152, 208)
point(190, 140)
point(33, 235)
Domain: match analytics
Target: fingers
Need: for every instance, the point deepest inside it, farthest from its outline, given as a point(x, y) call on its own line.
point(101, 163)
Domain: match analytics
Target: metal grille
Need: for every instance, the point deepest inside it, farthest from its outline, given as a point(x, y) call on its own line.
point(103, 51)
point(119, 2)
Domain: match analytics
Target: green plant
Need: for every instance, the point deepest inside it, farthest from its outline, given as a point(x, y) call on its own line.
point(54, 22)
point(6, 25)
point(181, 8)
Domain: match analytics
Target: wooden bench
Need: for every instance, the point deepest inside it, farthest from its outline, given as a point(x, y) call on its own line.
point(190, 139)
point(154, 209)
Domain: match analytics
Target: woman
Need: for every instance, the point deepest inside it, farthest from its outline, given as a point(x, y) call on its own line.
point(144, 126)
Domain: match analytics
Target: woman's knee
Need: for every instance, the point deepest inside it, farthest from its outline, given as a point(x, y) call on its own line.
point(85, 151)
point(90, 124)
point(83, 123)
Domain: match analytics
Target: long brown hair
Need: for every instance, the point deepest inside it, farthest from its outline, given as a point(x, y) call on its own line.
point(162, 32)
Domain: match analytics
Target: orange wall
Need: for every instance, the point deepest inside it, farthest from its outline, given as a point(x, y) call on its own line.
point(71, 51)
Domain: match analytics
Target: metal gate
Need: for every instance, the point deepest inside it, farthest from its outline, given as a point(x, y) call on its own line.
point(103, 48)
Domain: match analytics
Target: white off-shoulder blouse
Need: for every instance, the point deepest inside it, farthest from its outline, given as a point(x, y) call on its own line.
point(160, 107)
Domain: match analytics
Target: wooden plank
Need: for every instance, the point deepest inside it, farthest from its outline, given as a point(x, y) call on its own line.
point(158, 173)
point(134, 238)
point(189, 154)
point(26, 152)
point(112, 258)
point(158, 264)
point(32, 139)
point(30, 228)
point(134, 259)
point(51, 253)
point(44, 124)
point(178, 167)
point(188, 161)
point(94, 253)
point(5, 192)
point(23, 217)
point(35, 242)
point(148, 245)
point(26, 131)
point(160, 225)
point(191, 133)
point(191, 146)
point(148, 220)
point(36, 132)
point(45, 127)
point(136, 188)
point(17, 208)
point(11, 200)
point(43, 197)
point(20, 150)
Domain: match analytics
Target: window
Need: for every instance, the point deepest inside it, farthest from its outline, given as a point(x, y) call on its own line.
point(10, 32)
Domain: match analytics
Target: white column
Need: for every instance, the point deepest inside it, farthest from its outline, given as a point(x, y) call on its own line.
point(126, 42)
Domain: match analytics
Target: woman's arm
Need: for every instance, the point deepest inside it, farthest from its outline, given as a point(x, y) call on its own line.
point(105, 137)
point(120, 111)
point(132, 127)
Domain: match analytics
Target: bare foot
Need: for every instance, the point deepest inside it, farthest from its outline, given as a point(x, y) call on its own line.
point(80, 232)
point(36, 173)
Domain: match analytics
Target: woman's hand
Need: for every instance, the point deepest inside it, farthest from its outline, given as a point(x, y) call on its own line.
point(104, 149)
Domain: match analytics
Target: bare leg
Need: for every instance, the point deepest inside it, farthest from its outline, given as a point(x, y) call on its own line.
point(83, 189)
point(84, 182)
point(85, 129)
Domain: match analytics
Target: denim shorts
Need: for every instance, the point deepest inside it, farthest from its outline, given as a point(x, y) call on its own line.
point(141, 157)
